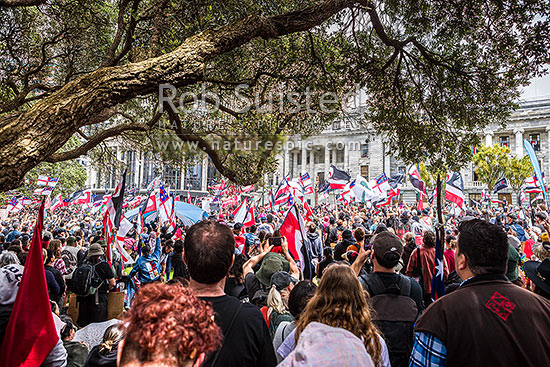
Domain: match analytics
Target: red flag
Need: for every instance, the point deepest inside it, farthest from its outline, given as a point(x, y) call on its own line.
point(420, 203)
point(309, 212)
point(250, 219)
point(293, 229)
point(30, 335)
point(189, 196)
point(178, 235)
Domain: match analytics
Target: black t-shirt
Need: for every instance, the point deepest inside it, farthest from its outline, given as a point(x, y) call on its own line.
point(416, 291)
point(248, 343)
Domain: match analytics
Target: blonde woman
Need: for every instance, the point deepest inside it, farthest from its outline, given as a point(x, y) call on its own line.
point(105, 354)
point(340, 302)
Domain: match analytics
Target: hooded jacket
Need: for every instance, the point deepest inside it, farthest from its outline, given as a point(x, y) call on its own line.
point(316, 244)
point(148, 267)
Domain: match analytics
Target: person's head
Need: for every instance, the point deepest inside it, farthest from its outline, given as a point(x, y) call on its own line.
point(111, 338)
point(55, 247)
point(387, 249)
point(209, 249)
point(7, 258)
point(49, 257)
point(168, 246)
point(71, 241)
point(178, 247)
point(359, 234)
point(168, 325)
point(237, 228)
point(428, 239)
point(95, 252)
point(281, 285)
point(299, 296)
point(312, 227)
point(236, 270)
point(68, 331)
point(340, 302)
point(482, 248)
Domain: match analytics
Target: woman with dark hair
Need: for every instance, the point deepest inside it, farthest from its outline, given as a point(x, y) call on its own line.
point(105, 354)
point(234, 284)
point(327, 259)
point(77, 352)
point(421, 265)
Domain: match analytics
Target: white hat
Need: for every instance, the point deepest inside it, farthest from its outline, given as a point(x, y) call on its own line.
point(10, 277)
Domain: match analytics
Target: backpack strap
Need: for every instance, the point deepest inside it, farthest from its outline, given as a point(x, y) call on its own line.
point(405, 285)
point(374, 284)
point(226, 334)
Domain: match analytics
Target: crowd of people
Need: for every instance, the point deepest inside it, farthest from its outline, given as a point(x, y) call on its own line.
point(218, 294)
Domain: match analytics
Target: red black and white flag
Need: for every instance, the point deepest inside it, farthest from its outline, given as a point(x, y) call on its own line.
point(338, 178)
point(454, 189)
point(293, 229)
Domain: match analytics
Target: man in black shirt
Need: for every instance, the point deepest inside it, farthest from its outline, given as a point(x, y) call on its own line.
point(396, 298)
point(176, 261)
point(209, 253)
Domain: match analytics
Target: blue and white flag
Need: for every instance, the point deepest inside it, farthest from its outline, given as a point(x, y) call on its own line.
point(535, 162)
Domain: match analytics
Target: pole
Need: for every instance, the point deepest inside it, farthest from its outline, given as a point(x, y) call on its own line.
point(440, 226)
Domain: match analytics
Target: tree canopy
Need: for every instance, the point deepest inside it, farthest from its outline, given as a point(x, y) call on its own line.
point(435, 74)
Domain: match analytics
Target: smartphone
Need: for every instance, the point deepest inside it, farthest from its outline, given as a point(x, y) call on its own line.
point(275, 241)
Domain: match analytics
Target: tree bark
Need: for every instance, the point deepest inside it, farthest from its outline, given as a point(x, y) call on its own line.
point(32, 136)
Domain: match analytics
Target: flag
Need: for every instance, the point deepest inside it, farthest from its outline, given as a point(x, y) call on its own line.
point(309, 212)
point(248, 188)
point(271, 199)
point(382, 202)
point(189, 196)
point(46, 191)
point(14, 205)
point(85, 198)
point(125, 227)
point(114, 206)
point(538, 197)
point(57, 202)
point(164, 205)
point(337, 178)
point(416, 181)
point(26, 200)
point(433, 196)
point(284, 198)
point(362, 190)
point(532, 185)
point(239, 214)
point(293, 229)
point(500, 185)
point(178, 235)
point(30, 334)
point(154, 184)
point(438, 282)
point(535, 162)
point(75, 195)
point(380, 186)
point(522, 197)
point(396, 180)
point(109, 235)
point(250, 219)
point(454, 190)
point(307, 184)
point(47, 181)
point(484, 195)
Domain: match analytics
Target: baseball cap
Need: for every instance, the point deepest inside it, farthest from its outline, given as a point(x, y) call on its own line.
point(385, 244)
point(282, 279)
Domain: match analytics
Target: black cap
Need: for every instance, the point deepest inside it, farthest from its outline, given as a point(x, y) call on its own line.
point(282, 279)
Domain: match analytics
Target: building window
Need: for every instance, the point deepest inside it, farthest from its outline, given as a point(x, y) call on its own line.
point(364, 150)
point(475, 196)
point(535, 141)
point(339, 156)
point(299, 164)
point(365, 172)
point(319, 156)
point(504, 141)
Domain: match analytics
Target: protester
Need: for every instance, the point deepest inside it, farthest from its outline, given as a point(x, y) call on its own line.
point(105, 354)
point(48, 265)
point(340, 302)
point(147, 267)
point(297, 301)
point(494, 332)
point(77, 352)
point(209, 250)
point(176, 260)
point(94, 307)
point(422, 263)
point(167, 325)
point(277, 300)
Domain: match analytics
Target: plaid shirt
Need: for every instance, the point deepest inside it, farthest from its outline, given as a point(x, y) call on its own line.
point(428, 351)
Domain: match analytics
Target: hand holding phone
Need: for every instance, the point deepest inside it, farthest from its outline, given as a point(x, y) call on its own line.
point(276, 241)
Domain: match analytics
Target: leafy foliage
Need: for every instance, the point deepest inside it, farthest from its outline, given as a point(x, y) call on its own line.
point(491, 163)
point(517, 171)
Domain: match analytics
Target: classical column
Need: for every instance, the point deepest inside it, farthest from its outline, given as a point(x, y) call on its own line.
point(387, 163)
point(286, 161)
point(489, 138)
point(204, 174)
point(294, 164)
point(519, 142)
point(327, 161)
point(304, 159)
point(333, 155)
point(547, 149)
point(346, 157)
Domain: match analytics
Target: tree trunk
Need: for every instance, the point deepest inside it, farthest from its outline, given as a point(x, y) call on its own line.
point(30, 137)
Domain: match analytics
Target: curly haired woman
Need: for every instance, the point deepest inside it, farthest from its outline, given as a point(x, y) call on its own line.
point(340, 302)
point(168, 326)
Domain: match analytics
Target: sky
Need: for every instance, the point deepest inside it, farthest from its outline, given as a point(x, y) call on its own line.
point(538, 89)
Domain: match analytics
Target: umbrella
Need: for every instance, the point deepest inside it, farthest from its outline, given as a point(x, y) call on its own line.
point(187, 213)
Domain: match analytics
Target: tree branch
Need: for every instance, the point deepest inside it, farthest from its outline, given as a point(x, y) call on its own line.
point(15, 3)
